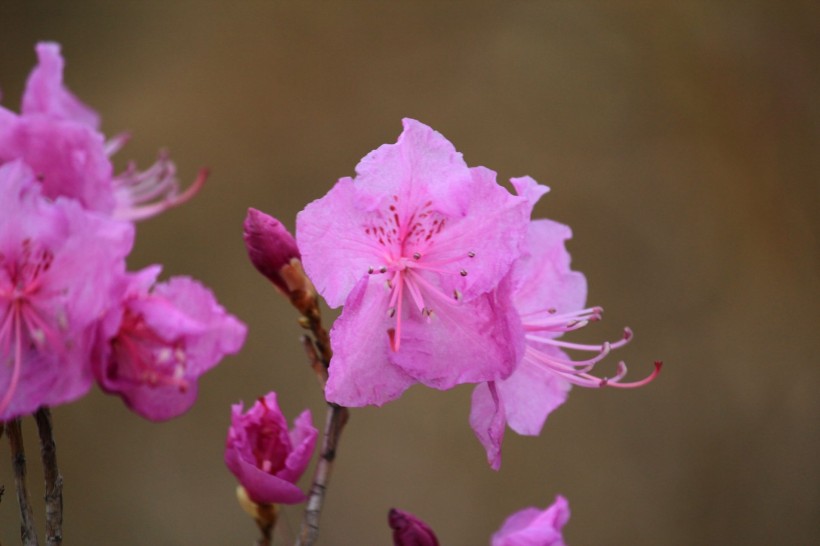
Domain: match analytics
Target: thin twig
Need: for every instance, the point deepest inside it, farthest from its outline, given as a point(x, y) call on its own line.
point(336, 418)
point(54, 481)
point(18, 461)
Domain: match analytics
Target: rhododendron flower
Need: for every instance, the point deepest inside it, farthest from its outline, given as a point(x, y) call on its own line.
point(59, 137)
point(60, 267)
point(550, 299)
point(158, 341)
point(270, 246)
point(264, 456)
point(408, 530)
point(415, 247)
point(534, 527)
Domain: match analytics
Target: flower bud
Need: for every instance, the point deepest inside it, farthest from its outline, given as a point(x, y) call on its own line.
point(271, 248)
point(408, 530)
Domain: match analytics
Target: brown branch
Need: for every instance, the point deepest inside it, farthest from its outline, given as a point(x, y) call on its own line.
point(54, 481)
point(336, 418)
point(18, 461)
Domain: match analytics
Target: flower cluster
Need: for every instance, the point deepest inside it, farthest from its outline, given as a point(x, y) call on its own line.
point(69, 310)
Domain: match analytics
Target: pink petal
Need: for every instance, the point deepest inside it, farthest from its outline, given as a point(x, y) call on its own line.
point(360, 372)
point(487, 418)
point(45, 93)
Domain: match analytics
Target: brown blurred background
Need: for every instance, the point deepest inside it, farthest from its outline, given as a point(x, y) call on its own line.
point(680, 140)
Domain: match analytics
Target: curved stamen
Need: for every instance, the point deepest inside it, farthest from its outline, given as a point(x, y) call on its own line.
point(18, 358)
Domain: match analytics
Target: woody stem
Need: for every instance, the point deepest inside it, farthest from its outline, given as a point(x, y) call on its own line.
point(18, 461)
point(53, 479)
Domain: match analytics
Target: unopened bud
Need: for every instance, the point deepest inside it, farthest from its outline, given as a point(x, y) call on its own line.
point(408, 530)
point(270, 247)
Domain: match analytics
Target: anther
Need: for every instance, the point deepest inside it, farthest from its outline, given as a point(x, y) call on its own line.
point(471, 254)
point(416, 256)
point(456, 295)
point(463, 272)
point(383, 269)
point(391, 312)
point(370, 270)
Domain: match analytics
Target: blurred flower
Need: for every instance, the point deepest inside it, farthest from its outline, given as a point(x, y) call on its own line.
point(408, 530)
point(415, 248)
point(270, 247)
point(60, 267)
point(157, 342)
point(266, 458)
point(58, 136)
point(549, 298)
point(534, 527)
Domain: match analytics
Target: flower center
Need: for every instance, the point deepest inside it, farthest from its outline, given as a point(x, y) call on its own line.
point(141, 356)
point(21, 282)
point(412, 262)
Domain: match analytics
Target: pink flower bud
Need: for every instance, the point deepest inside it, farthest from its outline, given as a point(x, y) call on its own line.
point(270, 246)
point(408, 530)
point(265, 457)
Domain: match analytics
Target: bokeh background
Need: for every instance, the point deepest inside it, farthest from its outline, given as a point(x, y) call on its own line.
point(680, 140)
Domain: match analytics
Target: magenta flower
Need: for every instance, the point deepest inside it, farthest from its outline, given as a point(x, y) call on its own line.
point(58, 136)
point(534, 527)
point(270, 246)
point(415, 247)
point(49, 307)
point(266, 458)
point(408, 530)
point(157, 342)
point(549, 298)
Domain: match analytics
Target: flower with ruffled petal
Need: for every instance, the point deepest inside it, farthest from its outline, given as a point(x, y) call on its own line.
point(50, 250)
point(265, 457)
point(415, 247)
point(549, 298)
point(158, 341)
point(534, 527)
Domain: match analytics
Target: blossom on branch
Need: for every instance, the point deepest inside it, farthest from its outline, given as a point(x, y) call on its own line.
point(158, 341)
point(415, 247)
point(265, 457)
point(60, 270)
point(408, 530)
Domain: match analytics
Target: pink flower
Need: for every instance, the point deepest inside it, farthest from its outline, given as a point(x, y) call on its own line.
point(59, 137)
point(266, 458)
point(60, 267)
point(157, 342)
point(534, 527)
point(408, 530)
point(415, 248)
point(549, 298)
point(270, 246)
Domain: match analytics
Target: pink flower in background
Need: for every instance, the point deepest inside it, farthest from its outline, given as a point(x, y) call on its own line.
point(265, 457)
point(158, 341)
point(270, 246)
point(534, 527)
point(550, 299)
point(60, 270)
point(408, 530)
point(415, 247)
point(58, 136)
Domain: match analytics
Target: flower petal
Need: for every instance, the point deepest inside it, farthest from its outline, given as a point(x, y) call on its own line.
point(361, 373)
